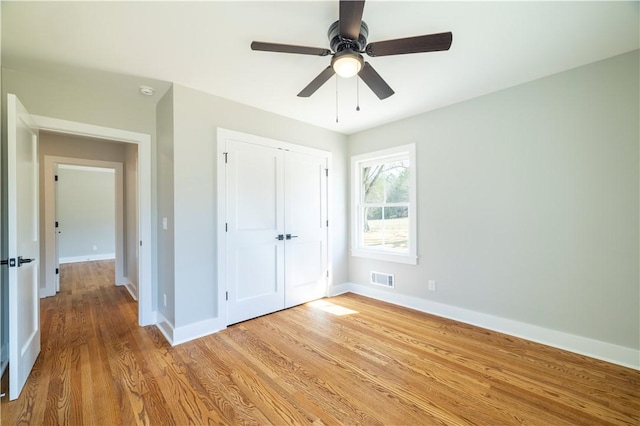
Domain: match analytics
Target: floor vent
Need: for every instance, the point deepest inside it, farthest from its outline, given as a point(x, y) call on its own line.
point(382, 279)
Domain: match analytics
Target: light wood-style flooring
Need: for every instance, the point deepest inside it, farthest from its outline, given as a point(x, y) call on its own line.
point(343, 360)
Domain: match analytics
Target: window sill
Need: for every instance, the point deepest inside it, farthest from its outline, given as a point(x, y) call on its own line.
point(389, 257)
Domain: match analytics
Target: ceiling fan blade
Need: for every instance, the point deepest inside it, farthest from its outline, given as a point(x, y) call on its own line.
point(317, 82)
point(288, 48)
point(375, 82)
point(350, 18)
point(418, 44)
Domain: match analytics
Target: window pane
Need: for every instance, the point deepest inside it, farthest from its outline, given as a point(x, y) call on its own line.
point(372, 185)
point(372, 231)
point(396, 228)
point(386, 182)
point(386, 228)
point(397, 182)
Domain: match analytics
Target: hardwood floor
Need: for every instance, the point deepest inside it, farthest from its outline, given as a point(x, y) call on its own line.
point(343, 360)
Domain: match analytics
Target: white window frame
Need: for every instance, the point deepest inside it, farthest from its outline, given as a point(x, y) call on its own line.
point(357, 162)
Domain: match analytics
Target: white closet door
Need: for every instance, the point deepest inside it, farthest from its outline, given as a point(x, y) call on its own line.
point(305, 227)
point(255, 218)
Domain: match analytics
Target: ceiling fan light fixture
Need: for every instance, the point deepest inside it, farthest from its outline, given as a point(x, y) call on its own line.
point(347, 63)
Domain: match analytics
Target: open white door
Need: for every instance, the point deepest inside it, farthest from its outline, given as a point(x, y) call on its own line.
point(24, 312)
point(56, 230)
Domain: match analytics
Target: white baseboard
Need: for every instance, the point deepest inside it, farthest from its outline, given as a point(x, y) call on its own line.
point(165, 326)
point(196, 330)
point(87, 258)
point(604, 351)
point(132, 289)
point(178, 335)
point(340, 289)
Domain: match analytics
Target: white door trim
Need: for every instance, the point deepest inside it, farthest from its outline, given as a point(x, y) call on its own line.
point(146, 313)
point(50, 161)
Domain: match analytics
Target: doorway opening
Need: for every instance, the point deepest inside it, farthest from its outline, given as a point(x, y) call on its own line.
point(89, 214)
point(146, 312)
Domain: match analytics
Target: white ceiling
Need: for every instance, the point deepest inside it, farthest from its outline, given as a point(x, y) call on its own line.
point(205, 46)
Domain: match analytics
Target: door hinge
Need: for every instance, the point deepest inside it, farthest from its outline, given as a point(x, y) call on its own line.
point(226, 295)
point(57, 224)
point(55, 178)
point(327, 273)
point(226, 227)
point(226, 157)
point(140, 243)
point(326, 172)
point(57, 271)
point(327, 222)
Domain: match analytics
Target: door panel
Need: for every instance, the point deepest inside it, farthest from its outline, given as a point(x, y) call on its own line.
point(255, 217)
point(306, 218)
point(264, 264)
point(24, 312)
point(306, 263)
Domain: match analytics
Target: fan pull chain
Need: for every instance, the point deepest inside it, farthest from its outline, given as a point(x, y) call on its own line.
point(357, 93)
point(336, 98)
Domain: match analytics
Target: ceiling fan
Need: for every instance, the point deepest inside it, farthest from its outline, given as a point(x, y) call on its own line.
point(348, 41)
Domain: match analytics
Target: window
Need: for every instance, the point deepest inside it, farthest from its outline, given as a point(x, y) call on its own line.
point(383, 214)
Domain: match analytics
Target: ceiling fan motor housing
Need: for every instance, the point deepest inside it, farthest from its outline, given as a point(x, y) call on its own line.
point(339, 43)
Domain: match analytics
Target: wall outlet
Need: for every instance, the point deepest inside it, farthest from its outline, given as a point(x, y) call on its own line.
point(164, 299)
point(95, 248)
point(432, 285)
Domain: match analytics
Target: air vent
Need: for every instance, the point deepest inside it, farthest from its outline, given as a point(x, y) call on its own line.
point(382, 279)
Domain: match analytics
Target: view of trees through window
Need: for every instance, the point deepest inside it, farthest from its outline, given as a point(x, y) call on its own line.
point(385, 192)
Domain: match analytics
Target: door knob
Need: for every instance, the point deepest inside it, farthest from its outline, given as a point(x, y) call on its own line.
point(21, 261)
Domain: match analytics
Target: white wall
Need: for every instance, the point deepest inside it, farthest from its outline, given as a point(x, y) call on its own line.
point(86, 214)
point(528, 203)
